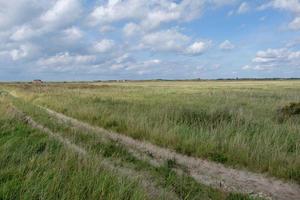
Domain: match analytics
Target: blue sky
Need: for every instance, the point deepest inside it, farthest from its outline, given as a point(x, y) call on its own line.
point(148, 39)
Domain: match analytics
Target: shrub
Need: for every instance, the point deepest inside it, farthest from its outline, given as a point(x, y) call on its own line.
point(288, 111)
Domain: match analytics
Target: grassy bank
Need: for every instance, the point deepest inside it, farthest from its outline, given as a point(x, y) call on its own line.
point(235, 123)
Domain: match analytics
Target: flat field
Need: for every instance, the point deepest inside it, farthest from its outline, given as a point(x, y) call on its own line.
point(241, 124)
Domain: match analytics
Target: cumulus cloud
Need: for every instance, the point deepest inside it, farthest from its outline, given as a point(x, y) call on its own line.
point(16, 12)
point(198, 48)
point(66, 59)
point(62, 13)
point(23, 32)
point(72, 33)
point(226, 45)
point(114, 37)
point(131, 29)
point(115, 10)
point(151, 13)
point(23, 51)
point(104, 46)
point(171, 40)
point(275, 58)
point(166, 40)
point(292, 6)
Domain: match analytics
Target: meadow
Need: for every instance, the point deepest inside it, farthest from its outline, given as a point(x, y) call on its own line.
point(36, 165)
point(241, 124)
point(235, 123)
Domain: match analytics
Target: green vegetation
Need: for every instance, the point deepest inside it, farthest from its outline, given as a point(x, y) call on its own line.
point(35, 166)
point(235, 123)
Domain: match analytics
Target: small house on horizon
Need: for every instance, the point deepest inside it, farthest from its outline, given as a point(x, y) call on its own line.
point(37, 81)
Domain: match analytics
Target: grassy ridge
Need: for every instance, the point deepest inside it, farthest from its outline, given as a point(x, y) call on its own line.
point(235, 123)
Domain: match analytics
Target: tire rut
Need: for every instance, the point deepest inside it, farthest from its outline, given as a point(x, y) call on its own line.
point(153, 191)
point(206, 172)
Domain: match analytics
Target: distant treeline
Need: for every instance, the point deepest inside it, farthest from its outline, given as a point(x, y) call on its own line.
point(153, 80)
point(199, 79)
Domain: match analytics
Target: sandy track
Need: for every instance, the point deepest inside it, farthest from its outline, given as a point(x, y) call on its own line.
point(153, 191)
point(203, 171)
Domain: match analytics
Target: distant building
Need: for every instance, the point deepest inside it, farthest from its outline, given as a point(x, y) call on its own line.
point(37, 81)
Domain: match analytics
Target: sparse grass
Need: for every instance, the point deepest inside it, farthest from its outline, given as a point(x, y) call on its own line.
point(235, 123)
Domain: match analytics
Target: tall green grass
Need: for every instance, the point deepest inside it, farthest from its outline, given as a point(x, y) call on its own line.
point(33, 166)
point(235, 123)
point(183, 186)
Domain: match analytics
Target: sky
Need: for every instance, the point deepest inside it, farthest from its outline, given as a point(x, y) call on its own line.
point(76, 40)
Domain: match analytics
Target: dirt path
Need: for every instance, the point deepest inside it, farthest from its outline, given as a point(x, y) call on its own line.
point(203, 171)
point(153, 191)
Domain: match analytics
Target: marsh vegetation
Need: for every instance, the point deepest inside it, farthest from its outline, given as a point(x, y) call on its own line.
point(251, 125)
point(236, 123)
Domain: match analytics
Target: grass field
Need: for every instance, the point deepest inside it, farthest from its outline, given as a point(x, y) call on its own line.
point(237, 123)
point(36, 166)
point(33, 166)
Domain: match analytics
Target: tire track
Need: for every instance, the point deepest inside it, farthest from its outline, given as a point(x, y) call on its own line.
point(205, 172)
point(153, 191)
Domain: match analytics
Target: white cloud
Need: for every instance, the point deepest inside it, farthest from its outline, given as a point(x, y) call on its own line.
point(144, 67)
point(104, 46)
point(171, 40)
point(289, 5)
point(275, 58)
point(292, 6)
point(116, 10)
point(155, 18)
point(16, 12)
point(271, 55)
point(166, 40)
point(255, 68)
point(72, 33)
point(152, 28)
point(295, 24)
point(61, 13)
point(150, 13)
point(131, 29)
point(226, 45)
point(243, 8)
point(198, 48)
point(23, 51)
point(65, 59)
point(24, 32)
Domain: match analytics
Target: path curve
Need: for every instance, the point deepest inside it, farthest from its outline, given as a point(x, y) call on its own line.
point(153, 191)
point(205, 172)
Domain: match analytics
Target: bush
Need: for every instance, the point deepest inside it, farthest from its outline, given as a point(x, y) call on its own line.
point(288, 111)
